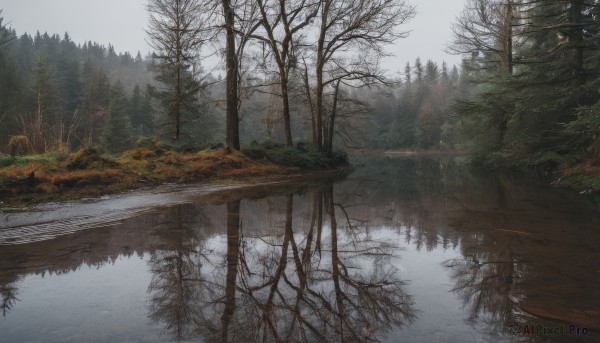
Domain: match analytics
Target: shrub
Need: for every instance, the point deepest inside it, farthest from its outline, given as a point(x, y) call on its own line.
point(303, 156)
point(18, 145)
point(88, 158)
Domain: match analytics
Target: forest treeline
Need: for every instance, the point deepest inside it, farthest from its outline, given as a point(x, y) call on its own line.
point(89, 95)
point(283, 87)
point(310, 72)
point(59, 95)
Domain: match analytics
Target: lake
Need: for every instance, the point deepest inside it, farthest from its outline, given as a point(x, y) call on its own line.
point(410, 249)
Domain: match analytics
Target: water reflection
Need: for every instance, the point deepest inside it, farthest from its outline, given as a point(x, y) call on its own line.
point(8, 296)
point(528, 252)
point(328, 263)
point(320, 282)
point(176, 270)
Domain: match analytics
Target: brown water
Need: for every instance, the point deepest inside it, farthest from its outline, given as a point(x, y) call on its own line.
point(405, 249)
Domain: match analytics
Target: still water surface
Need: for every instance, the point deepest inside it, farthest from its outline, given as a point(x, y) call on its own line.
point(403, 250)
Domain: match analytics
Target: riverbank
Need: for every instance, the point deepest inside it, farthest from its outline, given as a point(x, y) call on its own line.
point(580, 174)
point(583, 177)
point(86, 173)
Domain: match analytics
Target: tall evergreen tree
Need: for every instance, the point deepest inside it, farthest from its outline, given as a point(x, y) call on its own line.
point(94, 103)
point(537, 78)
point(116, 135)
point(140, 112)
point(42, 128)
point(176, 35)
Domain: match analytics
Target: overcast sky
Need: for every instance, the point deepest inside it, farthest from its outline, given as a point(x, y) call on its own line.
point(121, 23)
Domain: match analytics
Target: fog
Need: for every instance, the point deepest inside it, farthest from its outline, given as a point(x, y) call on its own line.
point(122, 23)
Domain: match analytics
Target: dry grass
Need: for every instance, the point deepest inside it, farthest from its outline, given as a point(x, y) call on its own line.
point(86, 173)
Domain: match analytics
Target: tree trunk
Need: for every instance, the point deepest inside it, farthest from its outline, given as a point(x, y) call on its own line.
point(319, 104)
point(233, 244)
point(287, 126)
point(330, 127)
point(313, 120)
point(508, 37)
point(232, 117)
point(577, 41)
point(319, 72)
point(178, 66)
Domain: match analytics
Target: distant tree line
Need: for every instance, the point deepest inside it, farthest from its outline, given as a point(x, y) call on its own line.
point(416, 112)
point(58, 95)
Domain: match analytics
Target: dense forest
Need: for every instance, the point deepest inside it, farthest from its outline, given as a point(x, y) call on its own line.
point(59, 95)
point(535, 67)
point(526, 93)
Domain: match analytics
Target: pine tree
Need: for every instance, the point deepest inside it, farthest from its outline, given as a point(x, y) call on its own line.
point(559, 78)
point(176, 36)
point(9, 85)
point(42, 129)
point(537, 79)
point(94, 103)
point(117, 135)
point(140, 112)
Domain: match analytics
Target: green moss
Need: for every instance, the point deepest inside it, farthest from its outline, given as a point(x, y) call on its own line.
point(22, 161)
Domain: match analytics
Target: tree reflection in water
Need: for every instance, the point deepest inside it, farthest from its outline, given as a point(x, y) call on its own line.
point(174, 291)
point(485, 281)
point(326, 281)
point(8, 296)
point(526, 250)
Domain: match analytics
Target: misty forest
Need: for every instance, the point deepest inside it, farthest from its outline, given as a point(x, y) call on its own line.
point(526, 92)
point(279, 183)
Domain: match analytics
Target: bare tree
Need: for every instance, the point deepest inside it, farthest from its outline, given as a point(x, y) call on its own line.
point(233, 121)
point(282, 22)
point(351, 40)
point(485, 33)
point(485, 29)
point(240, 20)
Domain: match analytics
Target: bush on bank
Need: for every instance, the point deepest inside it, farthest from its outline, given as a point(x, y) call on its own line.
point(302, 155)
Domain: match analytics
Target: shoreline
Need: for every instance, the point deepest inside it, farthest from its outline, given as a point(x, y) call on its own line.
point(86, 174)
point(49, 220)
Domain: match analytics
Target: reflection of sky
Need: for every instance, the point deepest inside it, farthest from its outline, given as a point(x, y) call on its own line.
point(88, 305)
point(440, 316)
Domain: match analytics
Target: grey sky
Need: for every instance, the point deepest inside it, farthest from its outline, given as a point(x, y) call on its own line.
point(122, 22)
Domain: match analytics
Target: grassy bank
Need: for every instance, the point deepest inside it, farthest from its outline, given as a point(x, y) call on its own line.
point(85, 173)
